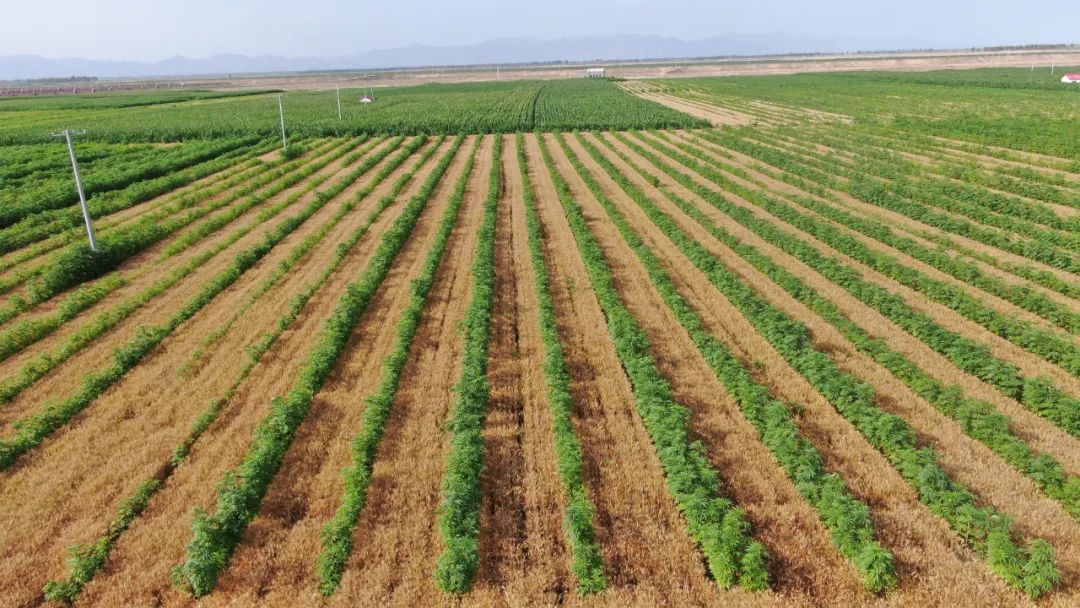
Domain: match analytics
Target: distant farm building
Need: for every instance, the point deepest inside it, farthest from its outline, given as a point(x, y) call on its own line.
point(593, 73)
point(1070, 78)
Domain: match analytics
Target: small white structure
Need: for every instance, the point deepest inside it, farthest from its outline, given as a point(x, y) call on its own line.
point(1071, 78)
point(593, 73)
point(367, 99)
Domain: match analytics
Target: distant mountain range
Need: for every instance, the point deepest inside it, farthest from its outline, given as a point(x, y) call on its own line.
point(503, 50)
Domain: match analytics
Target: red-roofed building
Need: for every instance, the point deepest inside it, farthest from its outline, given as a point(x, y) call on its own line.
point(1071, 78)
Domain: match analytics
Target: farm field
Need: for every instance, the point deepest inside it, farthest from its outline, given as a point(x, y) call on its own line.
point(646, 343)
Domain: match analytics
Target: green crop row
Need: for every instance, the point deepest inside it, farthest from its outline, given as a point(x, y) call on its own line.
point(47, 223)
point(36, 368)
point(313, 239)
point(715, 523)
point(873, 192)
point(86, 561)
point(188, 196)
point(241, 491)
point(1037, 393)
point(435, 108)
point(984, 528)
point(337, 535)
point(46, 195)
point(588, 563)
point(979, 419)
point(1042, 277)
point(33, 430)
point(1023, 296)
point(459, 520)
point(79, 263)
point(847, 518)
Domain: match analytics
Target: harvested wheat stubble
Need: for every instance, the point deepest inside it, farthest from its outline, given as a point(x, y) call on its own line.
point(805, 562)
point(619, 457)
point(1029, 363)
point(145, 272)
point(276, 561)
point(524, 556)
point(396, 542)
point(971, 463)
point(100, 353)
point(929, 557)
point(147, 439)
point(1043, 434)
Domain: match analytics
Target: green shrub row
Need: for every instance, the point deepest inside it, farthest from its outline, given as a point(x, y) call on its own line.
point(847, 518)
point(337, 535)
point(715, 523)
point(979, 419)
point(987, 530)
point(1037, 393)
point(459, 514)
point(241, 491)
point(588, 562)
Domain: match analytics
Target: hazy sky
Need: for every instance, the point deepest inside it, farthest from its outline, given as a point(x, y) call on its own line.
point(156, 29)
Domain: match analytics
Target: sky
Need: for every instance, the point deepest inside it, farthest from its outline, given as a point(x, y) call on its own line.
point(150, 30)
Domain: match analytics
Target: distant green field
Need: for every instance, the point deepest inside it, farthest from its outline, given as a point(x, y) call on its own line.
point(1015, 107)
point(501, 107)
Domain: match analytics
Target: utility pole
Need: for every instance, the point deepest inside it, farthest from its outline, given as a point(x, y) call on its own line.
point(281, 113)
point(339, 101)
point(66, 134)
